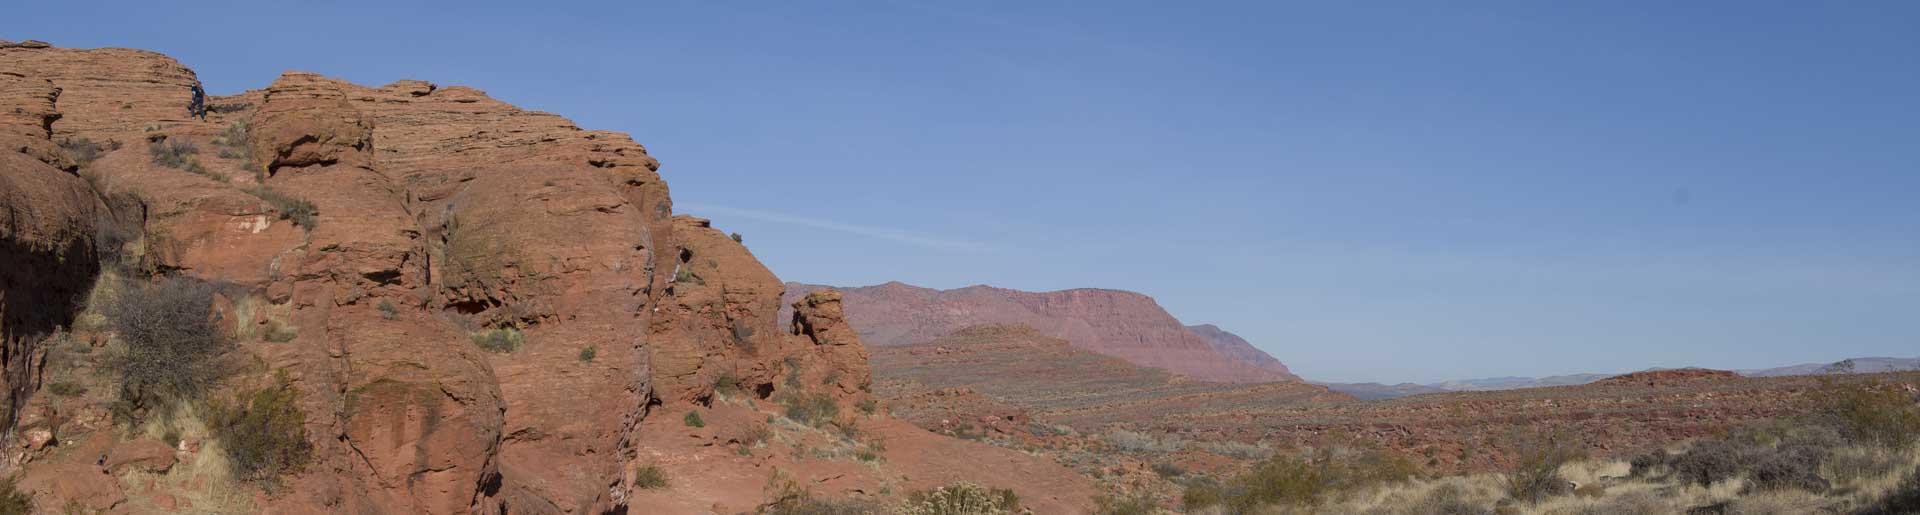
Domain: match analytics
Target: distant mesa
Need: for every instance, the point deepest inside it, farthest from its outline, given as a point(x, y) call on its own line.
point(1117, 323)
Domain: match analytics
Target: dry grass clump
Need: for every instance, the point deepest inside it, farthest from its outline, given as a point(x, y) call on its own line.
point(961, 499)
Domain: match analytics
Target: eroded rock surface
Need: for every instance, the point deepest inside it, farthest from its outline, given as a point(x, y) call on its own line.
point(480, 308)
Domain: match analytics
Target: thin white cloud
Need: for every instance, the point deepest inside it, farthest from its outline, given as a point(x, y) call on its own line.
point(884, 233)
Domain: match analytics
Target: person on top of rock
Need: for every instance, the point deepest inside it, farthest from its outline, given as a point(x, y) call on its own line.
point(199, 106)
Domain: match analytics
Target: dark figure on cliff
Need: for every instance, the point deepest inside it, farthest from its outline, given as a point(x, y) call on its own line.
point(199, 106)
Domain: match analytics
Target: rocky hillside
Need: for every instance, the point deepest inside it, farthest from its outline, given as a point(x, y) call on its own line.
point(401, 299)
point(1053, 381)
point(1116, 323)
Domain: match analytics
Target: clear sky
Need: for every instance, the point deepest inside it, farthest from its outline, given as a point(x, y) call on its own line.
point(1370, 191)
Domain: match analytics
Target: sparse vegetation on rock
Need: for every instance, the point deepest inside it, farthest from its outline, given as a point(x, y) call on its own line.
point(263, 432)
point(171, 153)
point(501, 340)
point(649, 477)
point(167, 344)
point(298, 210)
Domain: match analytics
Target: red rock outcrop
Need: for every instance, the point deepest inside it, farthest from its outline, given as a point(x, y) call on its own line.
point(477, 306)
point(1117, 323)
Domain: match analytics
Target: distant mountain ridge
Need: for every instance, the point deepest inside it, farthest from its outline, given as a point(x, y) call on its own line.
point(1374, 391)
point(1117, 323)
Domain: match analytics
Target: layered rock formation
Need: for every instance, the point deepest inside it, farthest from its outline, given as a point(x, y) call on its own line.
point(1117, 323)
point(477, 305)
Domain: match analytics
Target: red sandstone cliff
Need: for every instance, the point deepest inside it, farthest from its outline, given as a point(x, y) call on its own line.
point(362, 240)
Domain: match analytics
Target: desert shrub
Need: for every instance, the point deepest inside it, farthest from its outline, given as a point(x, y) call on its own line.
point(1302, 480)
point(726, 383)
point(194, 167)
point(1450, 499)
point(686, 276)
point(649, 477)
point(1904, 499)
point(753, 435)
point(1132, 441)
point(502, 340)
point(1137, 504)
point(233, 142)
point(298, 210)
point(693, 419)
point(83, 150)
point(961, 499)
point(169, 341)
point(811, 409)
point(171, 154)
point(1202, 494)
point(1707, 463)
point(1536, 471)
point(1233, 449)
point(64, 389)
point(1874, 413)
point(263, 433)
point(1646, 465)
point(1787, 468)
point(12, 500)
point(1168, 470)
point(868, 406)
point(388, 311)
point(735, 236)
point(587, 354)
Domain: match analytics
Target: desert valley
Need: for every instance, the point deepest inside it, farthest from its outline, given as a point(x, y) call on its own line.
point(329, 297)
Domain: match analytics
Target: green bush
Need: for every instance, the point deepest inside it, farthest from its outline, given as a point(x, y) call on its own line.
point(693, 419)
point(587, 354)
point(736, 237)
point(65, 389)
point(649, 477)
point(299, 210)
point(686, 276)
point(1300, 480)
point(868, 406)
point(170, 342)
point(263, 433)
point(502, 340)
point(388, 311)
point(12, 500)
point(1875, 414)
point(812, 409)
point(726, 383)
point(171, 154)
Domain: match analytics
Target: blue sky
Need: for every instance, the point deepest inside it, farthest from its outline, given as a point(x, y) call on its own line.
point(1367, 190)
